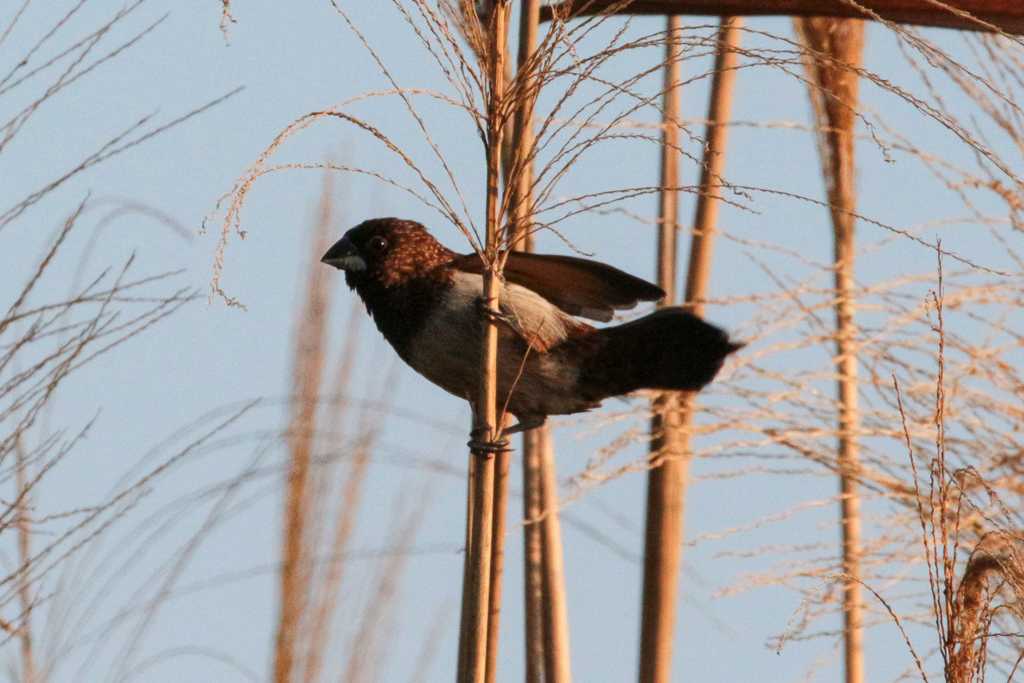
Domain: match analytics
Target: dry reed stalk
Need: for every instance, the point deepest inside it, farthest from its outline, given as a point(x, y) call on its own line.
point(663, 530)
point(310, 340)
point(705, 221)
point(23, 524)
point(307, 609)
point(325, 597)
point(546, 616)
point(468, 17)
point(962, 610)
point(509, 158)
point(473, 633)
point(555, 614)
point(671, 425)
point(465, 617)
point(969, 15)
point(367, 641)
point(533, 567)
point(430, 648)
point(316, 628)
point(837, 46)
point(532, 448)
point(502, 463)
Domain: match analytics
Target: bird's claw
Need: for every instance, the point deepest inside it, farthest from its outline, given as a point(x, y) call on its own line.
point(487, 313)
point(478, 443)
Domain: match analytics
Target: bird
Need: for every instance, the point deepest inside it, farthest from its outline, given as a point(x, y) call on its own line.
point(427, 302)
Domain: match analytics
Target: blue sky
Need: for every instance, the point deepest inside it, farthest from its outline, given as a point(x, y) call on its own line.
point(293, 58)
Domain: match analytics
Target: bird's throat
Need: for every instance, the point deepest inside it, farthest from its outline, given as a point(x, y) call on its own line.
point(400, 311)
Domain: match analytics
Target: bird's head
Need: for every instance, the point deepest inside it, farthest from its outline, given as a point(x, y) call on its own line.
point(386, 251)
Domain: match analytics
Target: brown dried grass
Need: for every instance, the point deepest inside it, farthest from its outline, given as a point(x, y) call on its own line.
point(47, 337)
point(963, 600)
point(322, 507)
point(835, 99)
point(778, 419)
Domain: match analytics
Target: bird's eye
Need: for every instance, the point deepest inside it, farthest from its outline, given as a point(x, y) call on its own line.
point(378, 244)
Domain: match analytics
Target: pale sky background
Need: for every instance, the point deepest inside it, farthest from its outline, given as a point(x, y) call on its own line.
point(294, 58)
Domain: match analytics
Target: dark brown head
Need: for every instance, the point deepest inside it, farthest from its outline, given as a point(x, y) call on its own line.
point(386, 252)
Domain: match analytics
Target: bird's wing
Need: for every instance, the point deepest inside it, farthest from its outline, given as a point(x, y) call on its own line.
point(577, 286)
point(524, 313)
point(535, 319)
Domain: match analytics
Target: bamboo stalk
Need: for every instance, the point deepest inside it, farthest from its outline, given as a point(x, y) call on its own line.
point(969, 15)
point(665, 479)
point(509, 158)
point(22, 523)
point(533, 502)
point(474, 629)
point(670, 425)
point(476, 596)
point(533, 562)
point(467, 572)
point(502, 462)
point(310, 341)
point(849, 424)
point(546, 621)
point(705, 221)
point(834, 96)
point(315, 631)
point(557, 666)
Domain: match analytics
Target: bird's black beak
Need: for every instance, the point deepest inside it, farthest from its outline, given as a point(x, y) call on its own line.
point(344, 256)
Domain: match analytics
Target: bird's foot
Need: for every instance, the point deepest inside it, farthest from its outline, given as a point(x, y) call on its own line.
point(486, 313)
point(479, 443)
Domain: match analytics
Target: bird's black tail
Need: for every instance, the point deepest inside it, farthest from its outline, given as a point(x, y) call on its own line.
point(668, 349)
